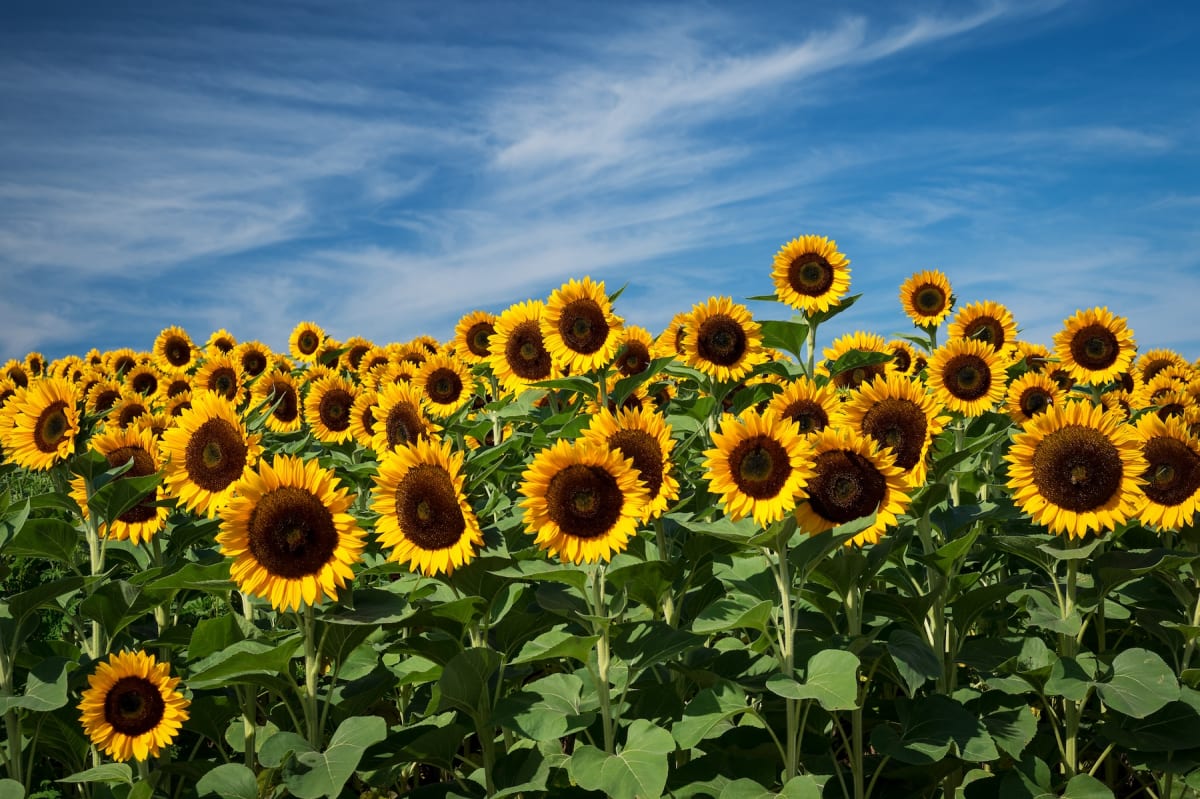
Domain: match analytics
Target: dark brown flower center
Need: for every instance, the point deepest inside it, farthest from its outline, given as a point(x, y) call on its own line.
point(633, 359)
point(143, 465)
point(810, 274)
point(846, 486)
point(291, 533)
point(403, 424)
point(1077, 468)
point(254, 362)
point(284, 393)
point(215, 455)
point(1173, 476)
point(133, 706)
point(106, 399)
point(307, 342)
point(224, 381)
point(223, 344)
point(129, 411)
point(901, 360)
point(760, 467)
point(986, 329)
point(444, 386)
point(721, 340)
point(526, 353)
point(334, 409)
point(355, 354)
point(178, 351)
point(967, 377)
point(477, 338)
point(178, 386)
point(647, 456)
point(1034, 400)
point(929, 300)
point(853, 378)
point(52, 427)
point(144, 383)
point(584, 501)
point(901, 425)
point(582, 326)
point(1095, 347)
point(808, 415)
point(427, 508)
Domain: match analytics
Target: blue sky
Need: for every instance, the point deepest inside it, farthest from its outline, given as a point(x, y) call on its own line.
point(384, 168)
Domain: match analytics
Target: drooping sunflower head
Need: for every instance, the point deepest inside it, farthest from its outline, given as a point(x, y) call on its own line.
point(644, 437)
point(583, 502)
point(446, 383)
point(1094, 346)
point(722, 339)
point(759, 466)
point(144, 520)
point(926, 298)
point(810, 274)
point(327, 408)
point(206, 452)
point(43, 421)
point(288, 531)
point(518, 353)
point(277, 390)
point(810, 406)
point(1031, 394)
point(634, 351)
point(220, 342)
point(306, 341)
point(901, 415)
point(174, 352)
point(853, 479)
point(987, 321)
point(579, 326)
point(1172, 476)
point(424, 516)
point(132, 707)
point(857, 341)
point(1077, 468)
point(400, 417)
point(221, 374)
point(253, 356)
point(669, 343)
point(904, 358)
point(967, 376)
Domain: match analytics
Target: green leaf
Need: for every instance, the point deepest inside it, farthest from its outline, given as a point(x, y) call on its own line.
point(738, 611)
point(310, 775)
point(802, 787)
point(547, 709)
point(243, 663)
point(122, 495)
point(45, 687)
point(1083, 786)
point(914, 658)
point(929, 728)
point(832, 680)
point(109, 773)
point(1071, 678)
point(372, 606)
point(213, 635)
point(638, 770)
point(229, 781)
point(11, 789)
point(211, 578)
point(1011, 723)
point(53, 539)
point(540, 570)
point(1139, 683)
point(465, 681)
point(275, 750)
point(554, 644)
point(116, 605)
point(821, 317)
point(649, 642)
point(1174, 726)
point(857, 359)
point(787, 336)
point(709, 714)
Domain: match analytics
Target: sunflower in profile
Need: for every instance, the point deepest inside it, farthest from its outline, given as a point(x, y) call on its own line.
point(987, 321)
point(174, 352)
point(1077, 468)
point(904, 357)
point(129, 407)
point(519, 356)
point(810, 274)
point(669, 343)
point(812, 407)
point(857, 341)
point(289, 533)
point(579, 327)
point(853, 478)
point(1094, 346)
point(43, 421)
point(722, 340)
point(759, 466)
point(400, 417)
point(926, 298)
point(35, 364)
point(132, 708)
point(220, 342)
point(206, 452)
point(143, 521)
point(356, 347)
point(253, 356)
point(305, 342)
point(1031, 394)
point(967, 376)
point(424, 516)
point(644, 437)
point(583, 502)
point(362, 417)
point(327, 408)
point(102, 395)
point(446, 383)
point(221, 374)
point(899, 414)
point(277, 390)
point(472, 334)
point(1172, 476)
point(634, 351)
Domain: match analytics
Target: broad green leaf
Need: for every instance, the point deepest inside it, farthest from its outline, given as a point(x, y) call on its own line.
point(109, 773)
point(45, 687)
point(787, 336)
point(116, 605)
point(929, 728)
point(738, 611)
point(213, 635)
point(275, 750)
point(465, 681)
point(914, 658)
point(53, 539)
point(547, 709)
point(372, 606)
point(11, 789)
point(709, 714)
point(242, 663)
point(802, 787)
point(1139, 683)
point(1174, 726)
point(310, 775)
point(229, 781)
point(1011, 722)
point(638, 770)
point(1071, 678)
point(522, 771)
point(554, 644)
point(12, 519)
point(821, 317)
point(122, 495)
point(946, 557)
point(857, 360)
point(540, 570)
point(207, 577)
point(1083, 786)
point(646, 643)
point(831, 678)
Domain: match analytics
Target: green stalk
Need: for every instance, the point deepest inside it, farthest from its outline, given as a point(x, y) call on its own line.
point(98, 642)
point(853, 602)
point(312, 665)
point(1069, 647)
point(603, 657)
point(662, 545)
point(787, 654)
point(810, 347)
point(960, 432)
point(12, 722)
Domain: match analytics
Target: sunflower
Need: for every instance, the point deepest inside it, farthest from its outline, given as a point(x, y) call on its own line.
point(35, 364)
point(446, 383)
point(7, 389)
point(1120, 401)
point(1151, 363)
point(131, 708)
point(1031, 394)
point(130, 406)
point(373, 358)
point(277, 390)
point(1094, 346)
point(146, 380)
point(904, 357)
point(206, 452)
point(356, 347)
point(70, 367)
point(174, 352)
point(16, 371)
point(643, 436)
point(472, 334)
point(579, 327)
point(926, 298)
point(289, 534)
point(156, 423)
point(519, 356)
point(178, 403)
point(43, 420)
point(387, 373)
point(305, 342)
point(220, 342)
point(759, 466)
point(424, 517)
point(987, 321)
point(669, 343)
point(582, 501)
point(967, 376)
point(221, 374)
point(1035, 357)
point(145, 520)
point(722, 340)
point(362, 417)
point(1076, 468)
point(899, 414)
point(810, 274)
point(102, 395)
point(852, 479)
point(327, 408)
point(860, 342)
point(120, 361)
point(1172, 476)
point(253, 356)
point(400, 417)
point(810, 406)
point(430, 344)
point(634, 351)
point(414, 352)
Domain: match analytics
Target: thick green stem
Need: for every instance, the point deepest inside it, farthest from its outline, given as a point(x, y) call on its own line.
point(810, 348)
point(312, 666)
point(487, 743)
point(853, 602)
point(12, 722)
point(960, 432)
point(603, 656)
point(787, 657)
point(663, 546)
point(1069, 647)
point(249, 701)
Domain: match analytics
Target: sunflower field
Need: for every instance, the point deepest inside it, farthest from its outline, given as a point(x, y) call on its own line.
point(560, 556)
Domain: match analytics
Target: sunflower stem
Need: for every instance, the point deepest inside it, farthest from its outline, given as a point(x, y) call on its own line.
point(853, 603)
point(602, 386)
point(312, 665)
point(97, 644)
point(662, 545)
point(1069, 647)
point(1190, 648)
point(12, 722)
point(787, 654)
point(960, 432)
point(603, 655)
point(810, 346)
point(249, 702)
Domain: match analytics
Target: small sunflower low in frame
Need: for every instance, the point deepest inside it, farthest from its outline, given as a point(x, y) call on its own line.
point(132, 707)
